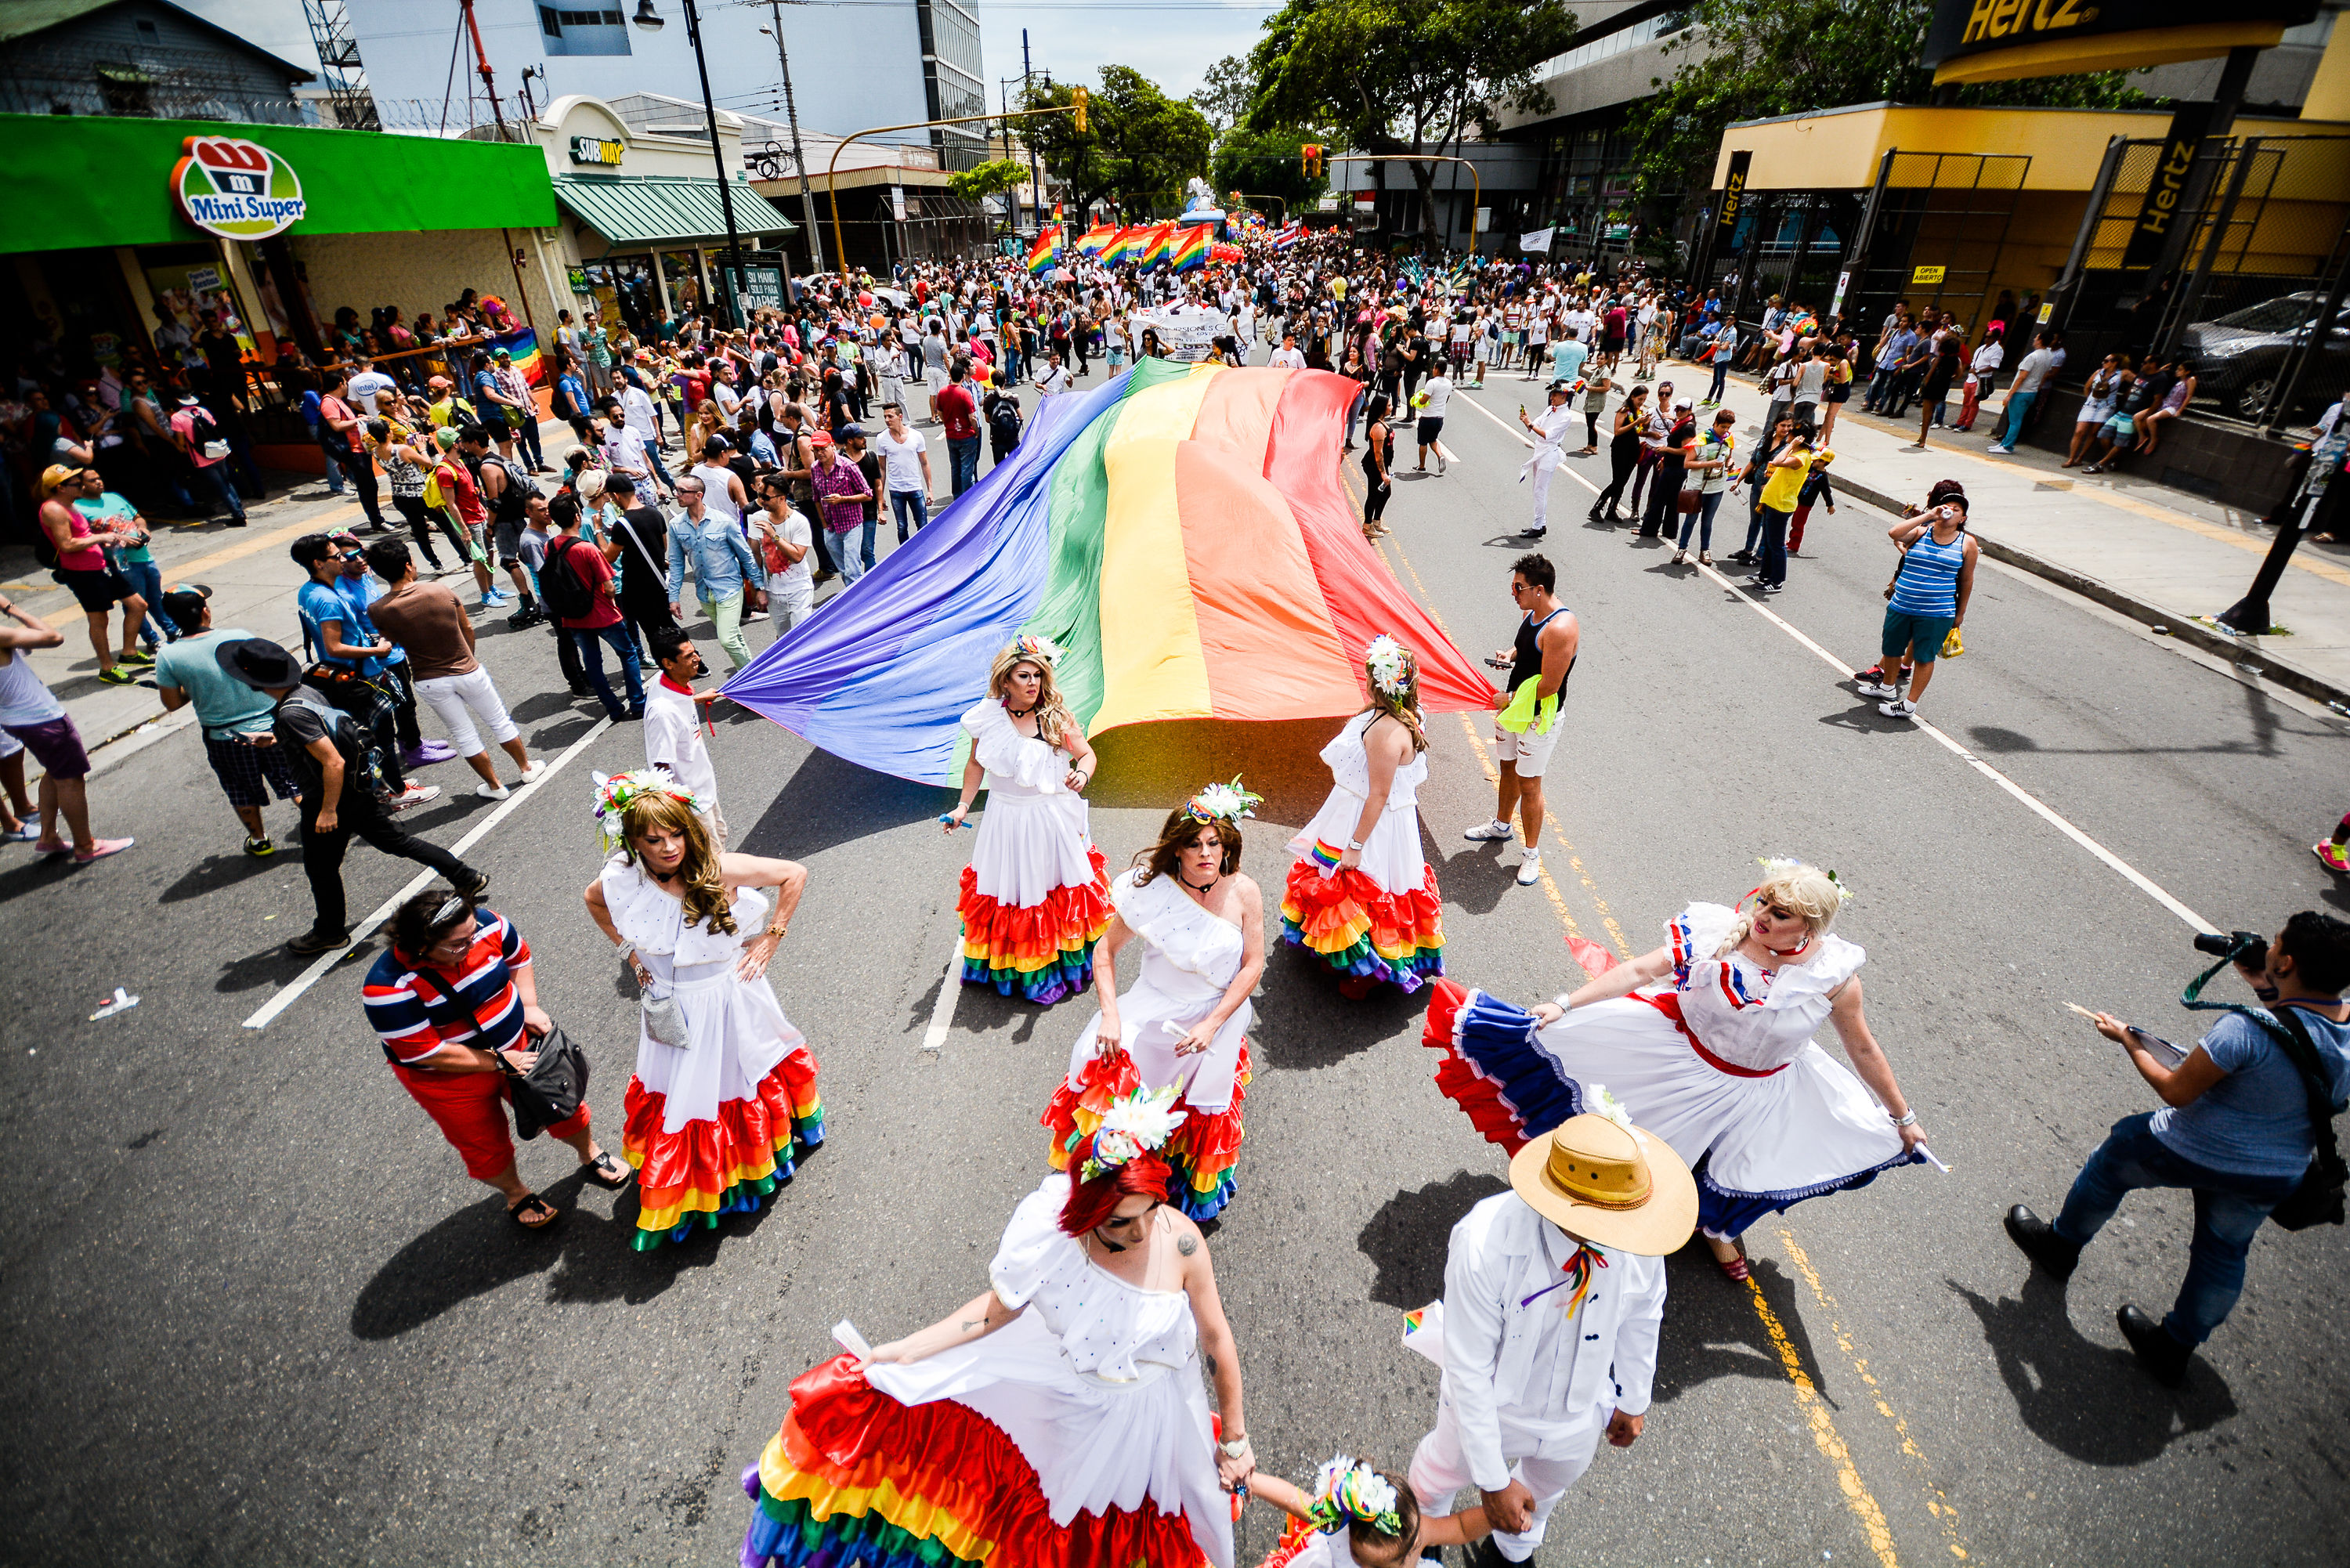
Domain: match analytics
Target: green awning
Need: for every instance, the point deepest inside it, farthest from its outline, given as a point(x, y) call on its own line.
point(664, 209)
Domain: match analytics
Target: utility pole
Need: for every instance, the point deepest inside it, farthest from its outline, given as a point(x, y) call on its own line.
point(799, 159)
point(1036, 183)
point(730, 306)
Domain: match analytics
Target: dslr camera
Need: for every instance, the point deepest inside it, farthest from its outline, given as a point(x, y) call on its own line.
point(2249, 948)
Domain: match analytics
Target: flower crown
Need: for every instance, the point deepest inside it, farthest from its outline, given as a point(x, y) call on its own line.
point(616, 793)
point(1031, 646)
point(1344, 1489)
point(1776, 865)
point(1390, 664)
point(1137, 1124)
point(1223, 803)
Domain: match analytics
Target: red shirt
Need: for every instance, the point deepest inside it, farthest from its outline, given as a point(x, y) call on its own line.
point(587, 563)
point(457, 487)
point(958, 414)
point(336, 409)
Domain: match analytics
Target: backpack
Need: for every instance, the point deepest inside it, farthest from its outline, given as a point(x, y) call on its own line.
point(520, 484)
point(1003, 420)
point(336, 694)
point(566, 594)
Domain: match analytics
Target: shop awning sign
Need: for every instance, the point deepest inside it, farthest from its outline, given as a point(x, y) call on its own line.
point(2002, 40)
point(235, 189)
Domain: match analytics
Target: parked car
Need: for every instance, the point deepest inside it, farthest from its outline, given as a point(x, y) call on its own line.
point(2240, 357)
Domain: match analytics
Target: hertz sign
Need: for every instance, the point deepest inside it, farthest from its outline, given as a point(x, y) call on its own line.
point(2001, 40)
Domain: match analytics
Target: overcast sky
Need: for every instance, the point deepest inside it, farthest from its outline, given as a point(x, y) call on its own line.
point(1173, 42)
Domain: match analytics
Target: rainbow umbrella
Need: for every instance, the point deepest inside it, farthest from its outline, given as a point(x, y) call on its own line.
point(1181, 533)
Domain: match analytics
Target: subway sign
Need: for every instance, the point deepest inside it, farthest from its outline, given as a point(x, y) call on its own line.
point(2001, 40)
point(597, 149)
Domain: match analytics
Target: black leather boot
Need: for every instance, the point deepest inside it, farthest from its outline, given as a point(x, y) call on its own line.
point(2039, 1242)
point(2156, 1349)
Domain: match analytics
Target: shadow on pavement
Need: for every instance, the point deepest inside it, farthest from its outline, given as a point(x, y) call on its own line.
point(828, 801)
point(478, 1249)
point(1158, 766)
point(1479, 876)
point(982, 1010)
point(1303, 1023)
point(1711, 1329)
point(275, 965)
point(214, 872)
point(1406, 1240)
point(2090, 1401)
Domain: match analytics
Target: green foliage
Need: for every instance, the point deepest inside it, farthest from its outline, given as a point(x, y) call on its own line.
point(1139, 148)
point(1752, 59)
point(1266, 163)
point(1402, 77)
point(987, 179)
point(1226, 93)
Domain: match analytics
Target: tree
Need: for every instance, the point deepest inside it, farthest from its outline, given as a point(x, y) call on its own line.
point(1266, 163)
point(1751, 59)
point(987, 179)
point(1226, 93)
point(1406, 77)
point(1138, 146)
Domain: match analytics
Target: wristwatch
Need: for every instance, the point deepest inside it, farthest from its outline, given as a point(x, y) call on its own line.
point(1233, 1447)
point(1908, 1121)
point(1353, 844)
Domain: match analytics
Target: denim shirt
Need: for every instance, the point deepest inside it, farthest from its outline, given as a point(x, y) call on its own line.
point(721, 556)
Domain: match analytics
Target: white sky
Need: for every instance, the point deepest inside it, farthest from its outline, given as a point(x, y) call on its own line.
point(1173, 42)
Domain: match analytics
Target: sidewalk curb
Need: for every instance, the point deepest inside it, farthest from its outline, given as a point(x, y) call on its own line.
point(2178, 624)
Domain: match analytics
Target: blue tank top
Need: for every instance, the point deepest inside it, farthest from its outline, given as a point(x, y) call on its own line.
point(1928, 582)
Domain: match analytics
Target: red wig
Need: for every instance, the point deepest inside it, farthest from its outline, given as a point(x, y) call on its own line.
point(1091, 1203)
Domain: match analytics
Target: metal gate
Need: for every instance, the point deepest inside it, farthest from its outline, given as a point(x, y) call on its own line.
point(1939, 224)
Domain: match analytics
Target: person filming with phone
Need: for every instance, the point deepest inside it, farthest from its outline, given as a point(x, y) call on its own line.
point(2246, 1124)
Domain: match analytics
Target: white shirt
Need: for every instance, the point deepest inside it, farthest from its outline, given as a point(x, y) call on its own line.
point(637, 408)
point(673, 740)
point(369, 385)
point(1521, 1373)
point(904, 461)
point(1288, 359)
point(1438, 390)
point(794, 584)
point(2034, 369)
point(1055, 380)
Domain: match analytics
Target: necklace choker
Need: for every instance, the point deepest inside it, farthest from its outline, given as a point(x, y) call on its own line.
point(1019, 712)
point(1204, 886)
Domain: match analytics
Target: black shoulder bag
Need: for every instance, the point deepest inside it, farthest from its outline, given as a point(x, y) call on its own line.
point(555, 1087)
point(2318, 1200)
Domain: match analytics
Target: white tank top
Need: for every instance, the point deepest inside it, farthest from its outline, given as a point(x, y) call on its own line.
point(24, 697)
point(715, 496)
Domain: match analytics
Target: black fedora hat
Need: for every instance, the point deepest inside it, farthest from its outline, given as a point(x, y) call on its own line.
point(259, 663)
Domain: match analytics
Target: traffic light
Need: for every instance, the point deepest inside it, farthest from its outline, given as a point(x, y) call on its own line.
point(1081, 110)
point(1310, 158)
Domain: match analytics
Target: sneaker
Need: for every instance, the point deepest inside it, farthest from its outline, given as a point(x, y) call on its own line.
point(118, 676)
point(492, 791)
point(1873, 688)
point(1491, 832)
point(2002, 450)
point(1532, 533)
point(416, 795)
point(2330, 855)
point(318, 942)
point(754, 617)
point(1897, 709)
point(478, 888)
point(426, 752)
point(532, 771)
point(136, 655)
point(1440, 465)
point(260, 848)
point(1530, 868)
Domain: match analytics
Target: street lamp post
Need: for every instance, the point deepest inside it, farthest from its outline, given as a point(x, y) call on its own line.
point(651, 21)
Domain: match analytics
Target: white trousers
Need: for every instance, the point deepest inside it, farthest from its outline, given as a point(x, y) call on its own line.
point(1540, 480)
point(451, 695)
point(1439, 1470)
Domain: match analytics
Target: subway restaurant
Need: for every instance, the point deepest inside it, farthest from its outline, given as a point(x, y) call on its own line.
point(152, 235)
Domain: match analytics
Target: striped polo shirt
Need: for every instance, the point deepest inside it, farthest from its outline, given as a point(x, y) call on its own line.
point(486, 1014)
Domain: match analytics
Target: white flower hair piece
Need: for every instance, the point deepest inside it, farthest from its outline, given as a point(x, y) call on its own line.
point(1600, 1103)
point(1034, 645)
point(1776, 865)
point(1223, 803)
point(1140, 1121)
point(1347, 1488)
point(1389, 664)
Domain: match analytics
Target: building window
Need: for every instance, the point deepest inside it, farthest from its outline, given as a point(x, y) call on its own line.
point(126, 90)
point(569, 32)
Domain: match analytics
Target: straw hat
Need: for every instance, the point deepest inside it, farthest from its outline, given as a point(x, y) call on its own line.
point(1603, 1181)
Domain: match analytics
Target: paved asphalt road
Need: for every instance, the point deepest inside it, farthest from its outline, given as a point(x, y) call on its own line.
point(255, 1313)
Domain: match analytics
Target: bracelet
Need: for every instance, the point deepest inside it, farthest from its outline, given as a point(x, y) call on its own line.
point(1909, 1121)
point(778, 931)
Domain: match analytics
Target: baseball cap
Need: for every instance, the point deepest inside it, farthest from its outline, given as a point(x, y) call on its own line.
point(820, 437)
point(58, 473)
point(185, 598)
point(852, 432)
point(259, 663)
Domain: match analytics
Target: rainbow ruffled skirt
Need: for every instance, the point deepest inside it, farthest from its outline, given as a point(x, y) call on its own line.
point(1360, 930)
point(1044, 952)
point(1202, 1153)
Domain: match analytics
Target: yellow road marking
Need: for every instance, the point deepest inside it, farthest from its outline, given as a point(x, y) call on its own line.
point(1824, 1437)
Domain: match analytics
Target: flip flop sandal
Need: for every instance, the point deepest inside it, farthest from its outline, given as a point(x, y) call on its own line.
point(607, 1172)
point(533, 1213)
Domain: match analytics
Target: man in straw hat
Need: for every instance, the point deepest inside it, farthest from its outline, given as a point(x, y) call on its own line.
point(1553, 1293)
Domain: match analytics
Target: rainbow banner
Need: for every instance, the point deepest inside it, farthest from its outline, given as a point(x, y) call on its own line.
point(1156, 244)
point(1047, 247)
point(1125, 246)
point(1095, 240)
point(1182, 532)
point(1190, 250)
point(523, 343)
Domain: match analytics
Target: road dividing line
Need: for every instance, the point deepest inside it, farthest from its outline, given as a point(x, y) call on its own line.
point(1938, 1502)
point(950, 992)
point(1831, 1444)
point(291, 992)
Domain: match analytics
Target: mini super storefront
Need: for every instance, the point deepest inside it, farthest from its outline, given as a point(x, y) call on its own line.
point(135, 227)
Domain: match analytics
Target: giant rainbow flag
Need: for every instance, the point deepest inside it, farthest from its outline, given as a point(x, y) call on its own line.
point(1181, 532)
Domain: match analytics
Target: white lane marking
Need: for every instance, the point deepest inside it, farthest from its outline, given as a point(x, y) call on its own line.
point(950, 992)
point(2129, 873)
point(292, 991)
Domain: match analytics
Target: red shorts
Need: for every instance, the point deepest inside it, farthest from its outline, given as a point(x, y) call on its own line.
point(471, 1109)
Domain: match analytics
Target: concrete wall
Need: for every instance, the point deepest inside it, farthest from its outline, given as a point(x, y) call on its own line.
point(420, 273)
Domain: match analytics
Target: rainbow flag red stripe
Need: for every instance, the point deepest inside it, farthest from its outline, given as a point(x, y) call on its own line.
point(1158, 245)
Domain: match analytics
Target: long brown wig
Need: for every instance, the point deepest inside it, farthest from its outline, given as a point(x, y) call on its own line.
point(701, 887)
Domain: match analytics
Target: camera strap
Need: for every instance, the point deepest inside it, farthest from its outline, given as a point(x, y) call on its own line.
point(2292, 1036)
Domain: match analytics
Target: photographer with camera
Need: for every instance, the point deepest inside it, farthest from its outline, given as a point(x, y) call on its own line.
point(2246, 1125)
